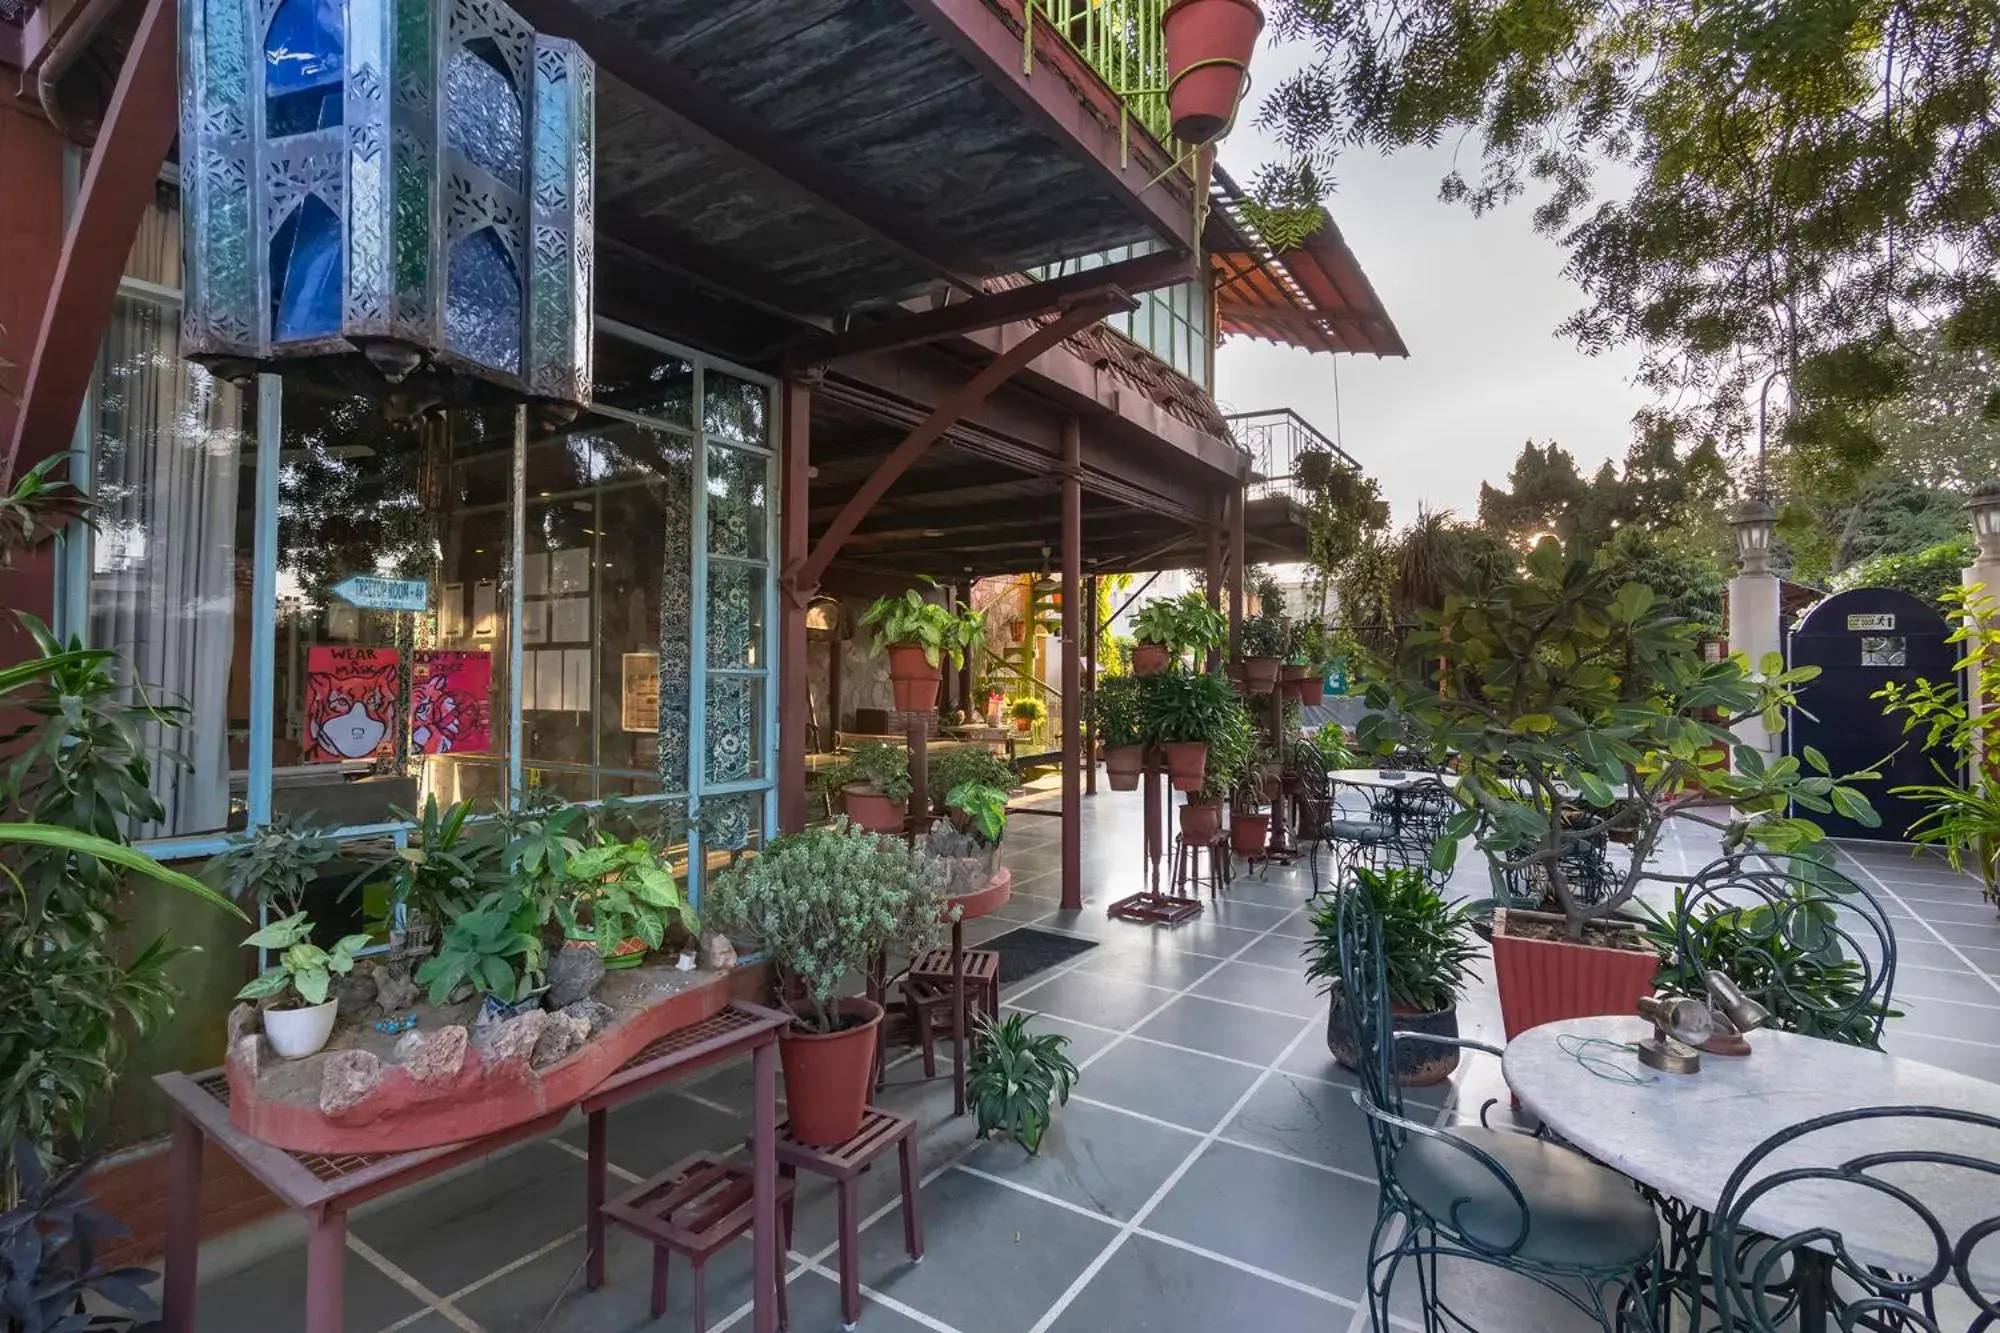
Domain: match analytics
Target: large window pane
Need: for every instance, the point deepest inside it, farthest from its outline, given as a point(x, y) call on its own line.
point(737, 497)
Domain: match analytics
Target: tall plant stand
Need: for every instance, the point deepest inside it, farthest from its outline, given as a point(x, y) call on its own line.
point(1280, 847)
point(1151, 906)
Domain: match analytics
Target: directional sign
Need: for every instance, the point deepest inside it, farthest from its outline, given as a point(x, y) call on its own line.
point(373, 594)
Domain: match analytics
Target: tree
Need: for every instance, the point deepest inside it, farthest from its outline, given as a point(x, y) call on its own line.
point(1808, 182)
point(1659, 488)
point(1687, 580)
point(1929, 573)
point(1544, 493)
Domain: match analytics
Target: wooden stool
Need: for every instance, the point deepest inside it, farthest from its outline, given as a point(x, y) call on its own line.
point(927, 994)
point(1187, 864)
point(694, 1208)
point(843, 1164)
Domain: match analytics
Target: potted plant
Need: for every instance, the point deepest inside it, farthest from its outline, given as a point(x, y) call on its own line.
point(1305, 677)
point(1230, 756)
point(619, 899)
point(1209, 44)
point(979, 809)
point(491, 947)
point(1016, 1078)
point(444, 869)
point(876, 786)
point(1118, 708)
point(970, 764)
point(49, 1240)
point(1266, 642)
point(1026, 712)
point(823, 904)
point(919, 635)
point(1167, 630)
point(1184, 711)
point(273, 864)
point(1427, 949)
point(1249, 820)
point(1559, 693)
point(307, 972)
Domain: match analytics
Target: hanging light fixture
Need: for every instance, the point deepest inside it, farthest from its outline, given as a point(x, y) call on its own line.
point(409, 179)
point(1755, 522)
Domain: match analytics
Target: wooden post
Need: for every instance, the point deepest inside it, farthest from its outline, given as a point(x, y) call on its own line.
point(1090, 688)
point(1072, 675)
point(1213, 571)
point(795, 483)
point(976, 708)
point(1236, 572)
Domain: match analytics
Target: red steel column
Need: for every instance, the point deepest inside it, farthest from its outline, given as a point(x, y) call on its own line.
point(1213, 571)
point(1072, 675)
point(1236, 572)
point(795, 483)
point(1090, 632)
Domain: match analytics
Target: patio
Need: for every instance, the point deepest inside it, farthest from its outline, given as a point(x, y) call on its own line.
point(1210, 1172)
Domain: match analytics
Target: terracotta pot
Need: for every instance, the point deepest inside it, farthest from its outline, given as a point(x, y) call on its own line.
point(1123, 764)
point(1260, 674)
point(1249, 833)
point(1545, 981)
point(828, 1075)
point(1024, 725)
point(1016, 630)
point(1415, 1064)
point(913, 678)
point(1312, 691)
point(872, 810)
point(1187, 763)
point(1149, 659)
point(1200, 823)
point(1209, 43)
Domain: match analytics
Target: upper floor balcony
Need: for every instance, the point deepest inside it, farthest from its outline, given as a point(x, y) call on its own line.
point(1275, 438)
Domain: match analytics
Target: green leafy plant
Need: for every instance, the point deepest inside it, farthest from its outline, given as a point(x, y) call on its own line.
point(1183, 625)
point(446, 866)
point(1232, 753)
point(986, 806)
point(48, 1253)
point(1027, 709)
point(302, 967)
point(1118, 707)
point(1266, 635)
point(909, 619)
point(972, 763)
point(824, 902)
point(1427, 943)
point(1188, 706)
point(487, 947)
point(883, 766)
point(1017, 1078)
point(618, 891)
point(1558, 694)
point(273, 864)
point(1331, 742)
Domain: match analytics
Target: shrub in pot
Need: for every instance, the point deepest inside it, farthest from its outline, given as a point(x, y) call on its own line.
point(1266, 642)
point(1016, 1078)
point(1117, 707)
point(973, 764)
point(1168, 630)
point(1427, 946)
point(920, 635)
point(1026, 712)
point(1185, 711)
point(876, 786)
point(304, 972)
point(1249, 820)
point(822, 904)
point(1561, 693)
point(621, 899)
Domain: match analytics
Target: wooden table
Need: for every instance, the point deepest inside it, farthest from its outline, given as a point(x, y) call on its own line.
point(324, 1188)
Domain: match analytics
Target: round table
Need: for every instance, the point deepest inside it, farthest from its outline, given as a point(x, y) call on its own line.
point(1683, 1135)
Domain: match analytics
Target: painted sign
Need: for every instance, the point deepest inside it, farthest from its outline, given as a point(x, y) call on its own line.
point(451, 702)
point(1876, 621)
point(350, 706)
point(641, 693)
point(374, 594)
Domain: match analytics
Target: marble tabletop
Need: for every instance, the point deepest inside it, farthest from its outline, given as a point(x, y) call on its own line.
point(1684, 1134)
point(1388, 777)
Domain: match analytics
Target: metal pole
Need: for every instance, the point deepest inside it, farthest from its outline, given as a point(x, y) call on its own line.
point(1213, 571)
point(795, 483)
point(1072, 676)
point(1089, 700)
point(1236, 572)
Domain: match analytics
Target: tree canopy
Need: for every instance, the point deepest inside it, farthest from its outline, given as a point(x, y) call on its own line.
point(1657, 489)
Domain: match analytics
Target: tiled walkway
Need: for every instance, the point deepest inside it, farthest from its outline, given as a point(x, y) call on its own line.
point(1212, 1172)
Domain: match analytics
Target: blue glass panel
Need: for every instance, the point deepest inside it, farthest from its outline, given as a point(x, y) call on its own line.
point(483, 111)
point(302, 67)
point(482, 303)
point(305, 273)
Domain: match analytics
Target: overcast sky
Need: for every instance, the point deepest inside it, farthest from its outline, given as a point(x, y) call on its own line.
point(1477, 301)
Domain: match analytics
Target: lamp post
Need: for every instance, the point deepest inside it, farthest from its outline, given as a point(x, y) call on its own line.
point(1753, 602)
point(1755, 521)
point(1982, 576)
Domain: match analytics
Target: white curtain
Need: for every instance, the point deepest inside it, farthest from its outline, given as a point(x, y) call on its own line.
point(166, 444)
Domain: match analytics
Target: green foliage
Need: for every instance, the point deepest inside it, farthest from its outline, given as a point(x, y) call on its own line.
point(274, 864)
point(1783, 187)
point(488, 947)
point(1232, 752)
point(1015, 1079)
point(444, 868)
point(1027, 708)
point(911, 619)
point(1266, 635)
point(302, 967)
point(1427, 943)
point(1187, 706)
point(972, 763)
point(618, 890)
point(883, 766)
point(38, 504)
point(1931, 573)
point(48, 1254)
point(1118, 708)
point(1688, 584)
point(1185, 625)
point(987, 807)
point(1331, 742)
point(1560, 694)
point(825, 901)
point(1344, 506)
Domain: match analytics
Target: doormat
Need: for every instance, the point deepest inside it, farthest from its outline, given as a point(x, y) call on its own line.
point(1026, 951)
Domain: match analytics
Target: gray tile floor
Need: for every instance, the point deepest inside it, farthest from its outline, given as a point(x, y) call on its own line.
point(1211, 1172)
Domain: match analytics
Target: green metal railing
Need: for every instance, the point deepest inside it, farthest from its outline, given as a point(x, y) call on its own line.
point(1123, 41)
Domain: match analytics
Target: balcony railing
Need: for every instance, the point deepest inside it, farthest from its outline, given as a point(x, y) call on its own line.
point(1123, 41)
point(1275, 440)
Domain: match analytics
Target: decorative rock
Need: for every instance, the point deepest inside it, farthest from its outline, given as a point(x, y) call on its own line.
point(594, 1013)
point(394, 991)
point(243, 1019)
point(717, 953)
point(433, 1055)
point(356, 992)
point(347, 1079)
point(514, 1039)
point(248, 1049)
point(561, 1037)
point(573, 975)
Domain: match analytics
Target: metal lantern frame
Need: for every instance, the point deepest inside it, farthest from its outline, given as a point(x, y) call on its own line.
point(396, 174)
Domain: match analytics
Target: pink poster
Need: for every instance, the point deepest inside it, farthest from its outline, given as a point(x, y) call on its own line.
point(350, 703)
point(451, 702)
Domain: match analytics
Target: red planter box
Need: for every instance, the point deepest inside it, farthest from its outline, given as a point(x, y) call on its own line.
point(1545, 981)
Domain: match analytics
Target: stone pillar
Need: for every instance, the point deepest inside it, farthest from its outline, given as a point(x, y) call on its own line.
point(1982, 576)
point(1755, 625)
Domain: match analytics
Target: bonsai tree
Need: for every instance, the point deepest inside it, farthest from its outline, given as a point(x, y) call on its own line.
point(1558, 693)
point(303, 968)
point(1016, 1078)
point(910, 620)
point(824, 902)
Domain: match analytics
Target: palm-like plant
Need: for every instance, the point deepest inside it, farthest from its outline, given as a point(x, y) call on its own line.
point(1017, 1078)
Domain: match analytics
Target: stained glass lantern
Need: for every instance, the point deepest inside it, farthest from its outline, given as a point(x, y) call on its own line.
point(411, 179)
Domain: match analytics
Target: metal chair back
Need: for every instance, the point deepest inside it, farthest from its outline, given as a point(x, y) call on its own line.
point(1364, 992)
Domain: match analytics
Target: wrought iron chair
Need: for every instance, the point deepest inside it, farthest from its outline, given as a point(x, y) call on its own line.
point(1810, 944)
point(1930, 1173)
point(1490, 1196)
point(1324, 823)
point(1417, 815)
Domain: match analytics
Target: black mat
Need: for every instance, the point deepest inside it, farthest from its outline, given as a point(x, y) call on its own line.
point(1026, 951)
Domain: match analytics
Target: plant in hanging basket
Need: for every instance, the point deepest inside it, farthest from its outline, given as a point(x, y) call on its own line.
point(920, 635)
point(1209, 44)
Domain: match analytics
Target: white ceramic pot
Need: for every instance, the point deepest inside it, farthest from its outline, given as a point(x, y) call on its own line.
point(297, 1033)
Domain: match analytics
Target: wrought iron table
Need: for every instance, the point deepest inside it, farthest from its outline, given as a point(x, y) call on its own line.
point(1681, 1136)
point(324, 1188)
